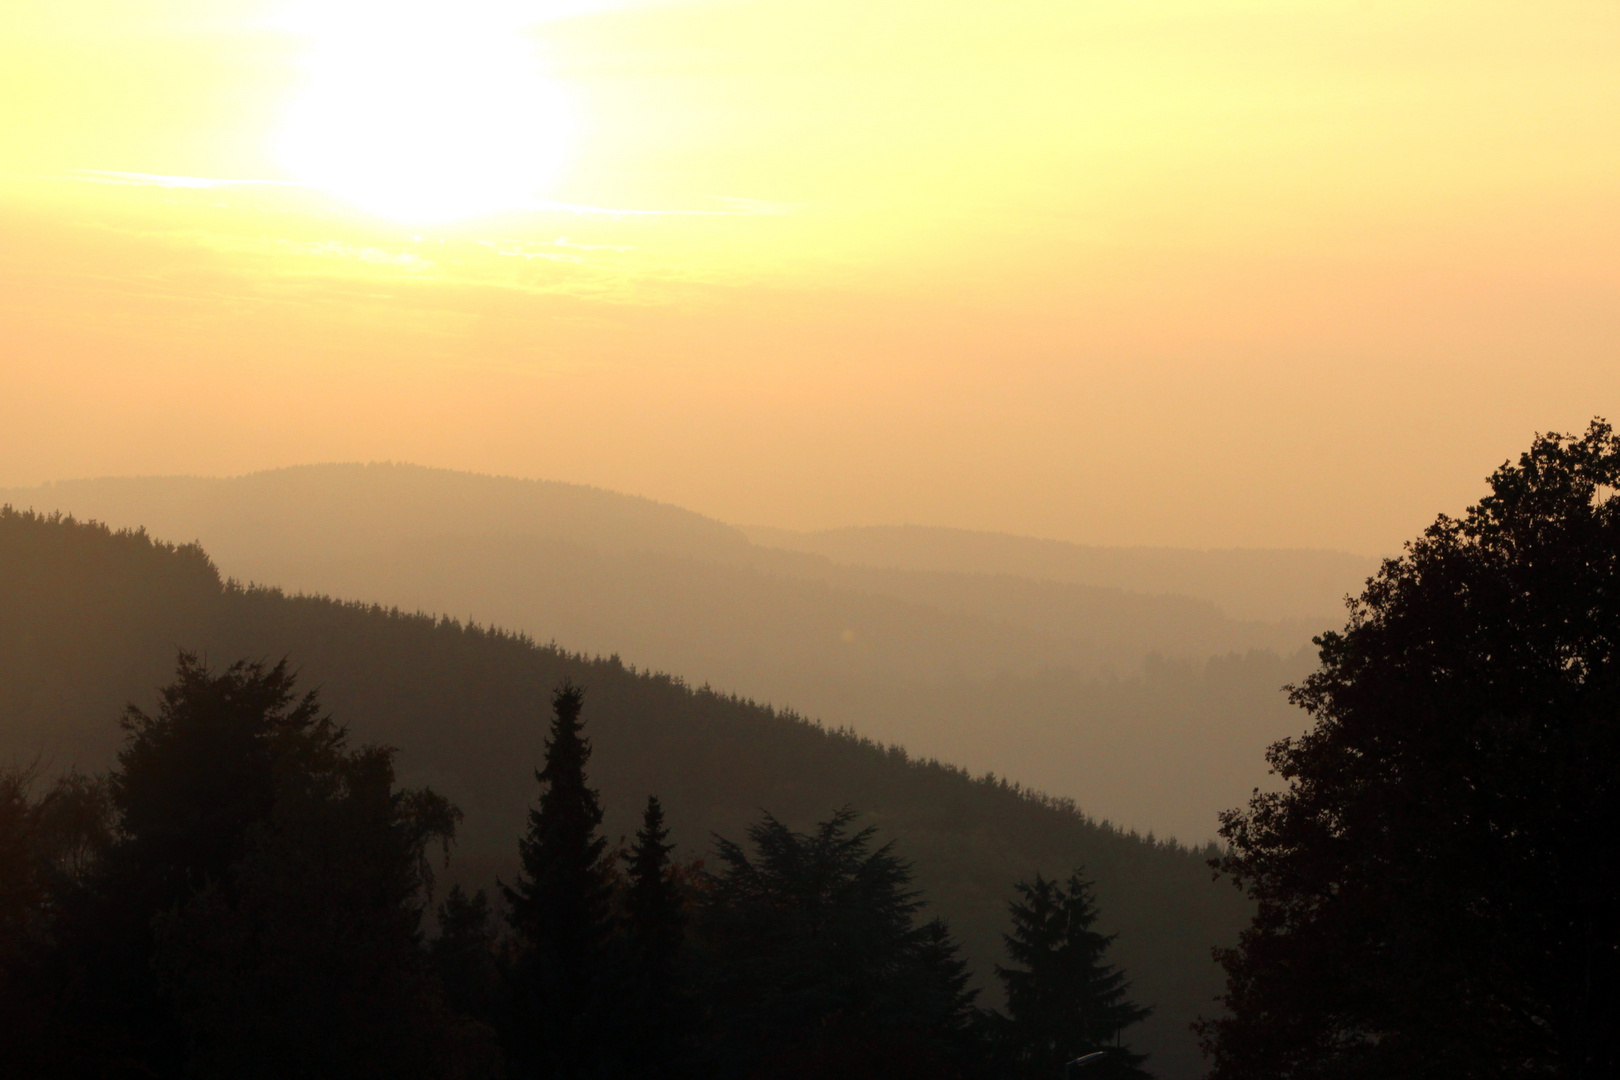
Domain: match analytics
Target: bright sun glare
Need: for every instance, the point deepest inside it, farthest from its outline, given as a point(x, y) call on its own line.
point(423, 110)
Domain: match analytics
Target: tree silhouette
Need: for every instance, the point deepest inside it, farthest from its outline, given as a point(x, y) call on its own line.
point(466, 955)
point(1437, 884)
point(561, 911)
point(660, 1011)
point(305, 959)
point(242, 896)
point(819, 966)
point(86, 615)
point(24, 918)
point(193, 783)
point(1065, 1000)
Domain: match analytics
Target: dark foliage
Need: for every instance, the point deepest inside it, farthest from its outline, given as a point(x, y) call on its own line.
point(254, 910)
point(467, 953)
point(90, 619)
point(661, 1015)
point(561, 911)
point(285, 941)
point(1438, 885)
point(1064, 1000)
point(48, 847)
point(818, 963)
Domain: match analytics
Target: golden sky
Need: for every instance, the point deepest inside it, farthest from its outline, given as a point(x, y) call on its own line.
point(1194, 272)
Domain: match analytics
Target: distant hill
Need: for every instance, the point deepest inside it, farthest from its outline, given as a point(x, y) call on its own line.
point(90, 619)
point(1151, 708)
point(1283, 584)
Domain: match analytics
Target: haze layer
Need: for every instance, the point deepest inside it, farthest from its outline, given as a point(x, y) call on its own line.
point(1225, 272)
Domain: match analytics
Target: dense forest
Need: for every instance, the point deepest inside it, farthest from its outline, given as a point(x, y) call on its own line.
point(1117, 676)
point(224, 878)
point(243, 895)
point(91, 619)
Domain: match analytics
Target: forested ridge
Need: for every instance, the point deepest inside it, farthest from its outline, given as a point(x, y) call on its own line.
point(91, 619)
point(1125, 678)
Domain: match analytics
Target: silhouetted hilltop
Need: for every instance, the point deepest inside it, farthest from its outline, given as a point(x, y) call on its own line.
point(1155, 707)
point(90, 619)
point(1246, 583)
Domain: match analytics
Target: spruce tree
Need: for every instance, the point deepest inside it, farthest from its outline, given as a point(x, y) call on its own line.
point(653, 905)
point(1065, 1000)
point(252, 906)
point(560, 910)
point(658, 999)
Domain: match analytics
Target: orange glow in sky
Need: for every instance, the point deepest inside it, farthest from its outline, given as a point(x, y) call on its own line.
point(1203, 272)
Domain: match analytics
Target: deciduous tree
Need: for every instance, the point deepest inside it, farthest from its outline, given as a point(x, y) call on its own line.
point(1438, 883)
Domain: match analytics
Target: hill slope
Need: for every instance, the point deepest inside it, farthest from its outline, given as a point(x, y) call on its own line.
point(90, 619)
point(1247, 583)
point(1046, 681)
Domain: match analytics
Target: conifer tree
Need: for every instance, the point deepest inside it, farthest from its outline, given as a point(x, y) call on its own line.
point(466, 953)
point(819, 966)
point(561, 910)
point(656, 922)
point(658, 999)
point(1065, 1000)
point(252, 905)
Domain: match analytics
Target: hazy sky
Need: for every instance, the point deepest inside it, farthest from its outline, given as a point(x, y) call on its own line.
point(1195, 272)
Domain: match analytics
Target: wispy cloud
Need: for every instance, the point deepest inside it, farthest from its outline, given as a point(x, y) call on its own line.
point(731, 206)
point(734, 208)
point(138, 179)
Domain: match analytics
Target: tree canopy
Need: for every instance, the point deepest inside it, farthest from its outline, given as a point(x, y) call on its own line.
point(242, 896)
point(1438, 883)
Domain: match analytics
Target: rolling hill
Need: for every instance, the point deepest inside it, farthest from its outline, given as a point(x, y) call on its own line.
point(1109, 675)
point(90, 619)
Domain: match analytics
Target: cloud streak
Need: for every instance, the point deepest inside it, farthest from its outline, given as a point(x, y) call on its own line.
point(735, 207)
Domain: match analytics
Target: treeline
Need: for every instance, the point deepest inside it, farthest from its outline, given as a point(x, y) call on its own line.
point(979, 626)
point(90, 618)
point(246, 894)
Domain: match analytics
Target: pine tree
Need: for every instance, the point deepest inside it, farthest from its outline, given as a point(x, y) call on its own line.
point(1065, 1000)
point(561, 911)
point(657, 998)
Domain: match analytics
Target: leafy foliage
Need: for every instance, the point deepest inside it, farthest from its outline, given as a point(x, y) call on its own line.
point(1438, 883)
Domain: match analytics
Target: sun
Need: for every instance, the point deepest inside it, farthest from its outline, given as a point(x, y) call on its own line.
point(423, 110)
